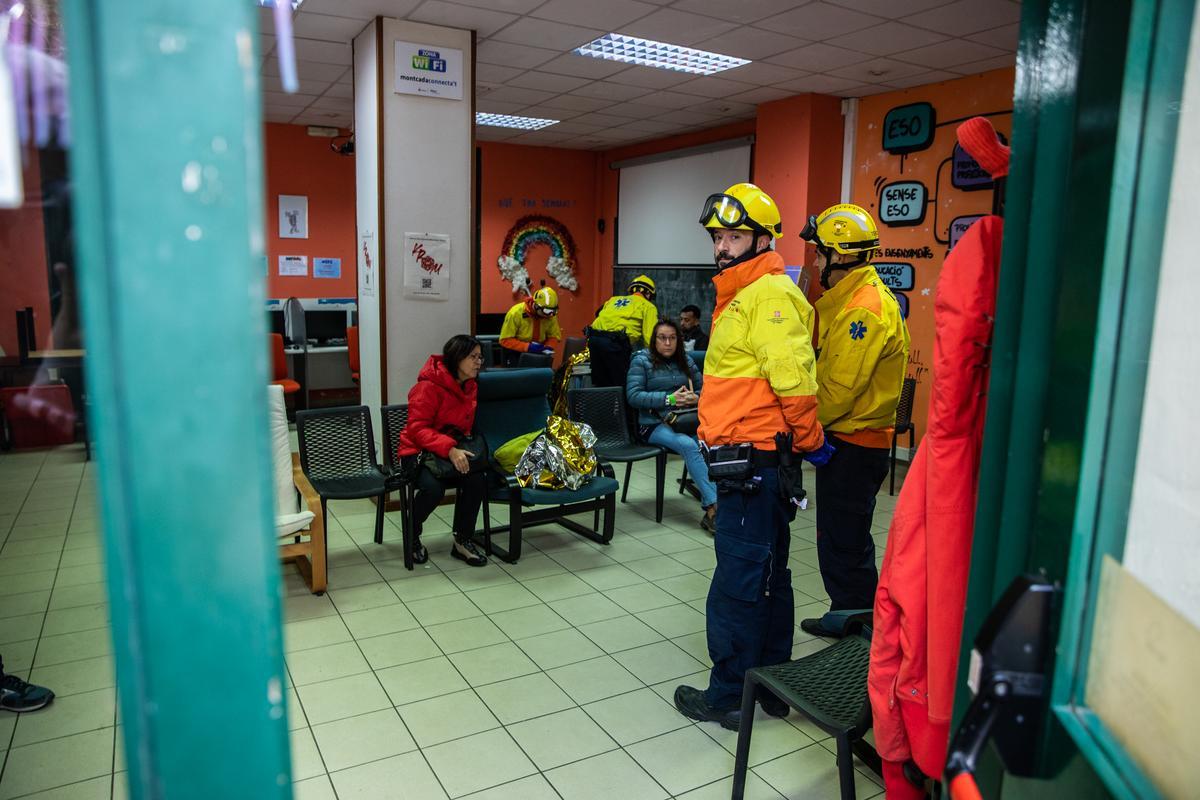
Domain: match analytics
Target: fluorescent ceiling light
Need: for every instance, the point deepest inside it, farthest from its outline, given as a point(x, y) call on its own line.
point(632, 50)
point(271, 3)
point(509, 121)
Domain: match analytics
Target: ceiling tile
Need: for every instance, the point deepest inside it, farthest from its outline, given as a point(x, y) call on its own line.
point(546, 81)
point(494, 73)
point(601, 120)
point(603, 90)
point(543, 138)
point(877, 70)
point(324, 52)
point(322, 118)
point(283, 117)
point(677, 27)
point(362, 9)
point(922, 79)
point(453, 15)
point(487, 105)
point(339, 90)
point(266, 20)
point(742, 11)
point(544, 33)
point(950, 53)
point(609, 15)
point(748, 42)
point(670, 100)
point(888, 38)
point(863, 90)
point(760, 73)
point(967, 16)
point(574, 128)
point(688, 117)
point(513, 94)
point(574, 103)
point(543, 111)
point(976, 67)
point(327, 103)
point(650, 126)
point(512, 55)
point(1004, 37)
point(271, 83)
point(511, 6)
point(324, 26)
point(714, 87)
point(819, 21)
point(493, 133)
point(582, 66)
point(266, 44)
point(633, 111)
point(651, 77)
point(285, 100)
point(764, 94)
point(308, 70)
point(893, 9)
point(819, 57)
point(820, 84)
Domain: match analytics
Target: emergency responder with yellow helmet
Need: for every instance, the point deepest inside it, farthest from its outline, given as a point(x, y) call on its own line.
point(625, 323)
point(758, 413)
point(531, 326)
point(863, 344)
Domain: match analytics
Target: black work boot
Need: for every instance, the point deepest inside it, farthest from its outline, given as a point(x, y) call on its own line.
point(692, 703)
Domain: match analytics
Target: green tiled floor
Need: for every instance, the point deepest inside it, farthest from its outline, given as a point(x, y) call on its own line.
point(551, 678)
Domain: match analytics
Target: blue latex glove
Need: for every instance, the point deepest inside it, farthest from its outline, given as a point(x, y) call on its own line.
point(820, 457)
point(537, 347)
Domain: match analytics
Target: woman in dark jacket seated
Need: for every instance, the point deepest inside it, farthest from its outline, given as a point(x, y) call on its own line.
point(663, 379)
point(441, 410)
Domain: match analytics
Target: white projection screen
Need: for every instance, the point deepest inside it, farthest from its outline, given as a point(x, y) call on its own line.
point(659, 203)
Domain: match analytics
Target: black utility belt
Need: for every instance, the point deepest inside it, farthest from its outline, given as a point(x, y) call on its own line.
point(734, 459)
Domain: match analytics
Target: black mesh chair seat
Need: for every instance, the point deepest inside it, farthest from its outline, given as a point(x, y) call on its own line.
point(603, 409)
point(350, 488)
point(830, 688)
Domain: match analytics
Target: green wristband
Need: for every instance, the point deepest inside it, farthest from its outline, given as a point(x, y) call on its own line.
point(671, 399)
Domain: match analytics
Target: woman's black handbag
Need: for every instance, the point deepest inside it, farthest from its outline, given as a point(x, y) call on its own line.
point(684, 420)
point(444, 469)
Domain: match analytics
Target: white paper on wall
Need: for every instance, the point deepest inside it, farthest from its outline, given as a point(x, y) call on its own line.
point(427, 266)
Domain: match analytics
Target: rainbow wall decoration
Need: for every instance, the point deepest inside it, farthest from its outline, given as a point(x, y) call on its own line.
point(534, 230)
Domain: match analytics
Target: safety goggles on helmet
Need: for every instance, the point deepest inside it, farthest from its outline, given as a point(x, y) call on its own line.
point(730, 213)
point(809, 233)
point(546, 311)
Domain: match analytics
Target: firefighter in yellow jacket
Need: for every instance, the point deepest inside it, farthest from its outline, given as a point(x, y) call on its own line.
point(863, 343)
point(531, 326)
point(759, 384)
point(625, 323)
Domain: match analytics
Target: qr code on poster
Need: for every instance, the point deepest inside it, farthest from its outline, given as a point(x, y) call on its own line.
point(426, 283)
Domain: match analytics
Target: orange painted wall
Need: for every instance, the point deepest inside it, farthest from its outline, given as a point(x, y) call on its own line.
point(297, 163)
point(23, 274)
point(989, 93)
point(517, 181)
point(798, 161)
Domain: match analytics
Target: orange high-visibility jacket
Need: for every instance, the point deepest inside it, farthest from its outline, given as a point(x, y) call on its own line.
point(759, 373)
point(522, 325)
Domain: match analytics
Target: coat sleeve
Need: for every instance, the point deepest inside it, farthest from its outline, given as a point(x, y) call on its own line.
point(552, 332)
point(782, 344)
point(421, 427)
point(696, 375)
point(849, 354)
point(508, 331)
point(649, 320)
point(636, 382)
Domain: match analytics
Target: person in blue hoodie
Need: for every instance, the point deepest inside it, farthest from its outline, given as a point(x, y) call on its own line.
point(662, 379)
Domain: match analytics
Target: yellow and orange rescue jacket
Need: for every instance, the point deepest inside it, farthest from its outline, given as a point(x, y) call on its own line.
point(864, 353)
point(759, 375)
point(522, 325)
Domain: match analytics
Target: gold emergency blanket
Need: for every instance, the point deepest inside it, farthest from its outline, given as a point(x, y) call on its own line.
point(560, 458)
point(564, 381)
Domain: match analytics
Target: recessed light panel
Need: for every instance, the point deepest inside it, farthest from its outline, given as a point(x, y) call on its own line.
point(271, 3)
point(632, 50)
point(509, 121)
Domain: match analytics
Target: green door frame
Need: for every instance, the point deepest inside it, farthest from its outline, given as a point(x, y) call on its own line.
point(167, 173)
point(1076, 147)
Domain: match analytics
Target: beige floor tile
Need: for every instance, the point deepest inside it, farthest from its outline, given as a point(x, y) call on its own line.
point(79, 576)
point(533, 566)
point(499, 662)
point(580, 559)
point(378, 621)
point(523, 623)
point(20, 629)
point(587, 608)
point(494, 759)
point(16, 565)
point(674, 621)
point(73, 647)
point(451, 716)
point(306, 759)
point(31, 547)
point(480, 577)
point(57, 762)
point(772, 737)
point(75, 677)
point(361, 598)
point(421, 680)
point(811, 773)
point(635, 716)
point(683, 760)
point(66, 716)
point(73, 620)
point(466, 634)
point(626, 549)
point(380, 779)
point(561, 738)
point(556, 649)
point(310, 633)
point(687, 587)
point(557, 587)
point(588, 681)
point(534, 787)
point(423, 587)
point(620, 633)
point(447, 608)
point(318, 788)
point(359, 740)
point(659, 567)
point(641, 597)
point(505, 597)
point(756, 789)
point(326, 663)
point(88, 594)
point(27, 582)
point(524, 698)
point(342, 697)
point(308, 606)
point(398, 648)
point(93, 789)
point(603, 777)
point(658, 662)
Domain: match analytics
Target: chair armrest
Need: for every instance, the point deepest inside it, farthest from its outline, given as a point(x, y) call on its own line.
point(605, 469)
point(311, 498)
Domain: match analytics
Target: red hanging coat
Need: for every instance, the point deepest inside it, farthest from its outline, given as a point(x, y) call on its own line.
point(923, 583)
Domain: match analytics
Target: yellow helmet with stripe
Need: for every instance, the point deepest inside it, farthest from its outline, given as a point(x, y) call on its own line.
point(545, 301)
point(645, 285)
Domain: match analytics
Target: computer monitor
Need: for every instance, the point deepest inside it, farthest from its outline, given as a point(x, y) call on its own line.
point(275, 321)
point(325, 325)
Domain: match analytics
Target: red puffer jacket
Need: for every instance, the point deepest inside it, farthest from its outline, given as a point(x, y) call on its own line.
point(923, 583)
point(438, 402)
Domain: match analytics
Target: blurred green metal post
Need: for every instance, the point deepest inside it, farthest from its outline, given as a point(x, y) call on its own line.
point(167, 170)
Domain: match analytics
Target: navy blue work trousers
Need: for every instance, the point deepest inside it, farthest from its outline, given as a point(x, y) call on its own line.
point(750, 606)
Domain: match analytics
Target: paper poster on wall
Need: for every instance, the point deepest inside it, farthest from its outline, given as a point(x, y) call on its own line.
point(12, 191)
point(366, 264)
point(293, 216)
point(429, 71)
point(427, 266)
point(293, 266)
point(327, 268)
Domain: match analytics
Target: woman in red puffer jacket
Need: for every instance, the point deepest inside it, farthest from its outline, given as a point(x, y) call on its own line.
point(441, 410)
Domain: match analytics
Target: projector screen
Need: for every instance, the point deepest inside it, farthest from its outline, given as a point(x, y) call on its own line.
point(659, 203)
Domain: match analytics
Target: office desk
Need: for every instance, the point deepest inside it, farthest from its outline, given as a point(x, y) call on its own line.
point(318, 368)
point(333, 348)
point(59, 358)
